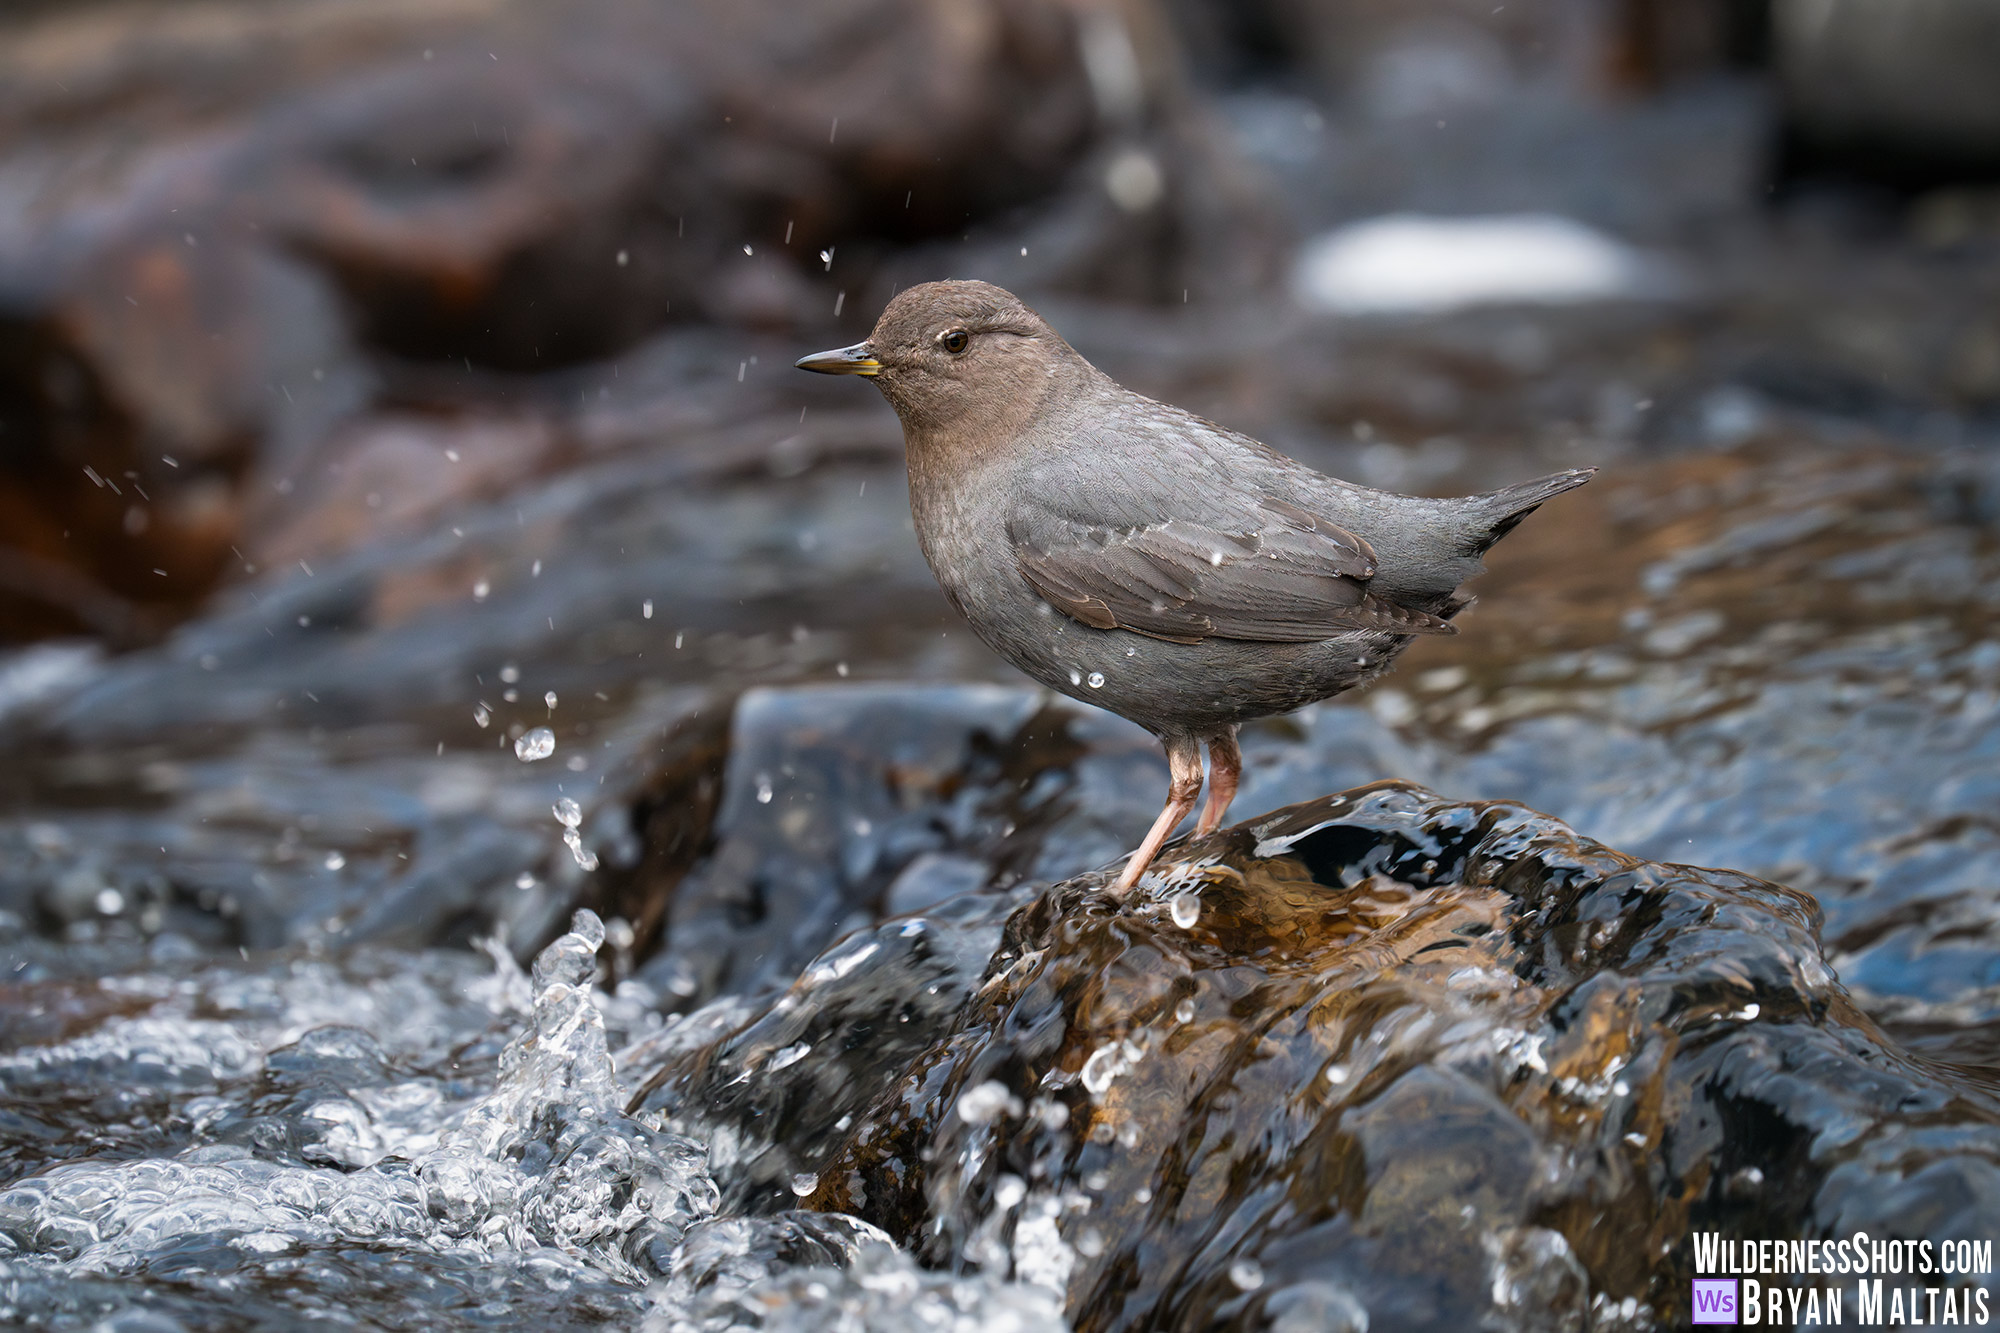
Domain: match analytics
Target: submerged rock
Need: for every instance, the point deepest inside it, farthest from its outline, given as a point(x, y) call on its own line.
point(1414, 1063)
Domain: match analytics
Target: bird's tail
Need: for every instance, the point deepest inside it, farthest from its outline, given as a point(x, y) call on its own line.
point(1499, 512)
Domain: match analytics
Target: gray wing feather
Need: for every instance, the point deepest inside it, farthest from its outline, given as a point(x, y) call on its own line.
point(1275, 574)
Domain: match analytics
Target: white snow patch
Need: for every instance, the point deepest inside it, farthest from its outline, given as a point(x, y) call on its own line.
point(1408, 263)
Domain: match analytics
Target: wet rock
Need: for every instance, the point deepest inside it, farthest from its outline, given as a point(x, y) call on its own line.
point(775, 1093)
point(192, 312)
point(1897, 91)
point(827, 797)
point(657, 572)
point(1439, 1060)
point(1820, 609)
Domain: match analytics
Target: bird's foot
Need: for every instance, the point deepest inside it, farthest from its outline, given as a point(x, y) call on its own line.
point(1225, 769)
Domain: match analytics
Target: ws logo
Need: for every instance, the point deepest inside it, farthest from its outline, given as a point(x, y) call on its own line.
point(1715, 1300)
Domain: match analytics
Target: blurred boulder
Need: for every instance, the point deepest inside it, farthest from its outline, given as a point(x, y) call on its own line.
point(1401, 58)
point(823, 805)
point(1903, 90)
point(219, 222)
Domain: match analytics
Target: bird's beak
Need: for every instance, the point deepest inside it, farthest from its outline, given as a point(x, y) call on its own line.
point(856, 360)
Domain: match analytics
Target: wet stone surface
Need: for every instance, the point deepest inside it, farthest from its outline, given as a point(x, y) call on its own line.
point(1446, 1064)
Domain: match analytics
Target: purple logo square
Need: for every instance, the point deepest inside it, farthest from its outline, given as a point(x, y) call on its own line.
point(1715, 1300)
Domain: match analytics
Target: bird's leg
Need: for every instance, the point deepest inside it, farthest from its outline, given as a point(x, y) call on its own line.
point(1225, 766)
point(1184, 763)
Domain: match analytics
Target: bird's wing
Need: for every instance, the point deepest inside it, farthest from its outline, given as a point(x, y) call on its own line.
point(1270, 573)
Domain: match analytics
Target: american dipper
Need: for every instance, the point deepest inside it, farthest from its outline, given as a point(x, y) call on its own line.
point(1134, 556)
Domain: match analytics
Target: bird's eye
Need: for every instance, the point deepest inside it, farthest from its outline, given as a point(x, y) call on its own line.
point(956, 341)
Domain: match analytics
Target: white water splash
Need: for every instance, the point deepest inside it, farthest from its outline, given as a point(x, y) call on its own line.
point(534, 1200)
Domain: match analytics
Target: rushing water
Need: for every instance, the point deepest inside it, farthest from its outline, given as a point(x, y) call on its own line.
point(451, 1146)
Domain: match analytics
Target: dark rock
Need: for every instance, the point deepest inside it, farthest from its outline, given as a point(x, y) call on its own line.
point(1437, 1059)
point(194, 308)
point(829, 798)
point(1899, 92)
point(776, 1095)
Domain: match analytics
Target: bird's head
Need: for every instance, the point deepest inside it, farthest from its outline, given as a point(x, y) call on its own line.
point(952, 355)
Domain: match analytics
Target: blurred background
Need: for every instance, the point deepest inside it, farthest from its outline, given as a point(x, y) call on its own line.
point(383, 383)
point(262, 264)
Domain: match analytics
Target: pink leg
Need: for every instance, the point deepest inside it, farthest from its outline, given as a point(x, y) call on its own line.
point(1184, 763)
point(1225, 766)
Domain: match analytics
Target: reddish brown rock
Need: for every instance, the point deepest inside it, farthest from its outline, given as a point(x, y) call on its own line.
point(223, 217)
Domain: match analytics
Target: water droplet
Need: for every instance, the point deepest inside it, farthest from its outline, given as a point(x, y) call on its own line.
point(1104, 1064)
point(1336, 1074)
point(480, 590)
point(482, 717)
point(1096, 680)
point(524, 881)
point(788, 1057)
point(334, 860)
point(110, 902)
point(568, 813)
point(537, 744)
point(804, 1183)
point(1246, 1274)
point(550, 698)
point(1186, 909)
point(987, 1102)
point(584, 856)
point(1184, 1012)
point(763, 789)
point(646, 608)
point(1076, 678)
point(510, 673)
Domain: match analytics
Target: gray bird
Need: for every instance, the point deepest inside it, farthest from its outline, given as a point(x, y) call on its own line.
point(1134, 556)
